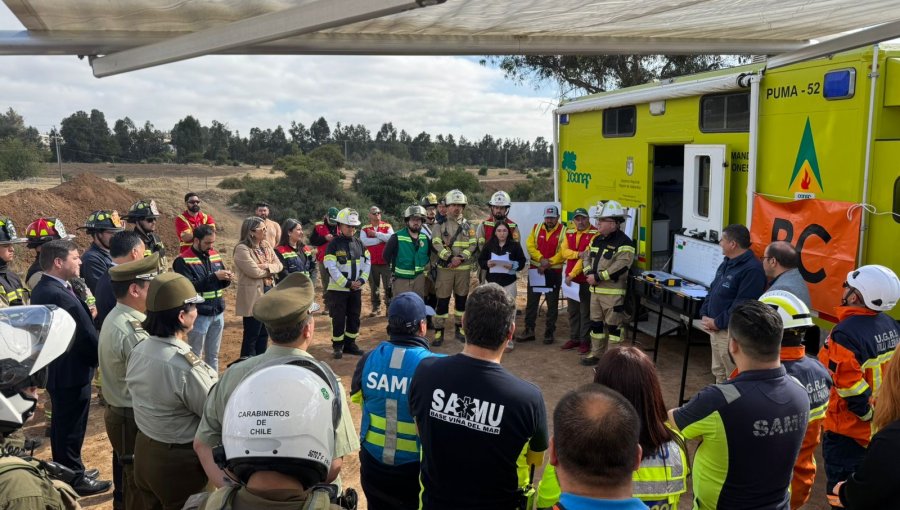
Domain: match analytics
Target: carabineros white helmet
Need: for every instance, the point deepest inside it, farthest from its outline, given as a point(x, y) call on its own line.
point(456, 197)
point(282, 417)
point(348, 216)
point(878, 286)
point(31, 337)
point(793, 312)
point(414, 210)
point(611, 209)
point(500, 199)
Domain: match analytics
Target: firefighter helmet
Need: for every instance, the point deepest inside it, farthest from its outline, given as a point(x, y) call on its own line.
point(44, 230)
point(878, 286)
point(100, 221)
point(142, 209)
point(414, 210)
point(456, 197)
point(793, 312)
point(500, 199)
point(347, 216)
point(8, 232)
point(611, 209)
point(429, 200)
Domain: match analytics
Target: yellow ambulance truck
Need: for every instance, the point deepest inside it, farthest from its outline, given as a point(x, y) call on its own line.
point(694, 154)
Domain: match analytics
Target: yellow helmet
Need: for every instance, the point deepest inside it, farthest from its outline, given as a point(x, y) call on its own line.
point(348, 216)
point(429, 200)
point(456, 197)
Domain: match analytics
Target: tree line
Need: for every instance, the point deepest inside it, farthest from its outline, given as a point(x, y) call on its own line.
point(86, 137)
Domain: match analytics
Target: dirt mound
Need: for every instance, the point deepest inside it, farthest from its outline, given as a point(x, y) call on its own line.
point(72, 202)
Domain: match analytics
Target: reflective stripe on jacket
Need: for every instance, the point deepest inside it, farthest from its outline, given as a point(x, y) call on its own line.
point(412, 256)
point(609, 260)
point(347, 261)
point(200, 269)
point(542, 245)
point(855, 354)
point(387, 430)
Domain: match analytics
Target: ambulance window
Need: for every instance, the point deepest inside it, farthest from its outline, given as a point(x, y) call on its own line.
point(619, 121)
point(896, 214)
point(701, 207)
point(722, 113)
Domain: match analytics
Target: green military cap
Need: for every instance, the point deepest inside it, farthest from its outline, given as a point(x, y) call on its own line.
point(141, 269)
point(581, 211)
point(289, 303)
point(169, 291)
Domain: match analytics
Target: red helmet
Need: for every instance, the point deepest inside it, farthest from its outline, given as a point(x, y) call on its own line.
point(44, 230)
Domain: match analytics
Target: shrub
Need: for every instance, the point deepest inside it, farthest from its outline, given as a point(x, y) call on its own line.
point(19, 160)
point(330, 154)
point(457, 179)
point(231, 183)
point(120, 178)
point(483, 170)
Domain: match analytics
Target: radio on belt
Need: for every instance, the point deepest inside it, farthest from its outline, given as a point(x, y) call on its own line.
point(669, 280)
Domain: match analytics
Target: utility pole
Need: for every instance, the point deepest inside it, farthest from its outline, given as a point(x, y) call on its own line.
point(58, 158)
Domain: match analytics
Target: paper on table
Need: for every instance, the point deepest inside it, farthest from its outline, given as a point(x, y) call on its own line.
point(570, 291)
point(694, 292)
point(536, 279)
point(502, 259)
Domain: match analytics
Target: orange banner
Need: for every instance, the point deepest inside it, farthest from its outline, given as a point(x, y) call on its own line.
point(826, 239)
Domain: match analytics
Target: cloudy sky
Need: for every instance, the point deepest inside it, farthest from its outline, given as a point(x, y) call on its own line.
point(449, 95)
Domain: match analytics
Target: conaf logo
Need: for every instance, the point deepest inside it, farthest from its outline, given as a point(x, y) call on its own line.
point(568, 164)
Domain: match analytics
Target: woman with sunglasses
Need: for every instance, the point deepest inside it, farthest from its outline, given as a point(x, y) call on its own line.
point(255, 265)
point(661, 478)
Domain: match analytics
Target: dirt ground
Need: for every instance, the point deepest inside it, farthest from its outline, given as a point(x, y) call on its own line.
point(553, 370)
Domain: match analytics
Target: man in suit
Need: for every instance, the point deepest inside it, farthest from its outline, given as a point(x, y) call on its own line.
point(69, 377)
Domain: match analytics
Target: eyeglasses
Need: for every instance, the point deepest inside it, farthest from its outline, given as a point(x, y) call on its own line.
point(258, 229)
point(193, 202)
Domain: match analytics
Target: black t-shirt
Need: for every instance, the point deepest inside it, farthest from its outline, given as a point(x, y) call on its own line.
point(475, 420)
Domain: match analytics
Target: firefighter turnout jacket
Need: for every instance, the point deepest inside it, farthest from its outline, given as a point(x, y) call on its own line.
point(609, 260)
point(463, 245)
point(12, 291)
point(855, 354)
point(200, 268)
point(347, 261)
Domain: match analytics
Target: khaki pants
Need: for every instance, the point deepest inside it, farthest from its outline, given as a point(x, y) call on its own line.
point(722, 366)
point(606, 317)
point(380, 275)
point(122, 432)
point(452, 282)
point(402, 285)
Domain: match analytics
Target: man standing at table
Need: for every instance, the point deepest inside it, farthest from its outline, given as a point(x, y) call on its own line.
point(740, 277)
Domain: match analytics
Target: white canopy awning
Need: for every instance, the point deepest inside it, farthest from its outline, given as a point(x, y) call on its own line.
point(131, 34)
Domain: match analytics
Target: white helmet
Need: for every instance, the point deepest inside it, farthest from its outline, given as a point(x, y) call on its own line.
point(456, 196)
point(878, 286)
point(793, 312)
point(282, 417)
point(610, 209)
point(500, 199)
point(31, 337)
point(348, 216)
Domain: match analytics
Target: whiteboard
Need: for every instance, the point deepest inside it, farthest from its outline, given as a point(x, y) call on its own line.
point(696, 260)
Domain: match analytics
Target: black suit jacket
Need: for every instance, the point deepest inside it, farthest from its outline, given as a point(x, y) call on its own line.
point(75, 367)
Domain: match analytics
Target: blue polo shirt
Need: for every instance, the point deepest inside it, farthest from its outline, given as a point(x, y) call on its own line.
point(752, 428)
point(573, 502)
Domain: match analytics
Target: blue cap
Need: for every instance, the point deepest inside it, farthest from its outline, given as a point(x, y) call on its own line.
point(409, 308)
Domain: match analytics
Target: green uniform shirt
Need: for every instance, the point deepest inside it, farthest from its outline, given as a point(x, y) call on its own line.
point(210, 429)
point(168, 386)
point(121, 332)
point(24, 487)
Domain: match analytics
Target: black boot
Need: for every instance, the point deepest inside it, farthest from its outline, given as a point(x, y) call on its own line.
point(338, 350)
point(352, 349)
point(438, 338)
point(459, 333)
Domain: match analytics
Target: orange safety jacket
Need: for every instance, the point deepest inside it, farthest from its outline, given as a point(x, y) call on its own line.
point(855, 354)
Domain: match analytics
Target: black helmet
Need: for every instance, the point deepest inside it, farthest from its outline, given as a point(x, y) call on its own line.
point(142, 209)
point(8, 232)
point(100, 221)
